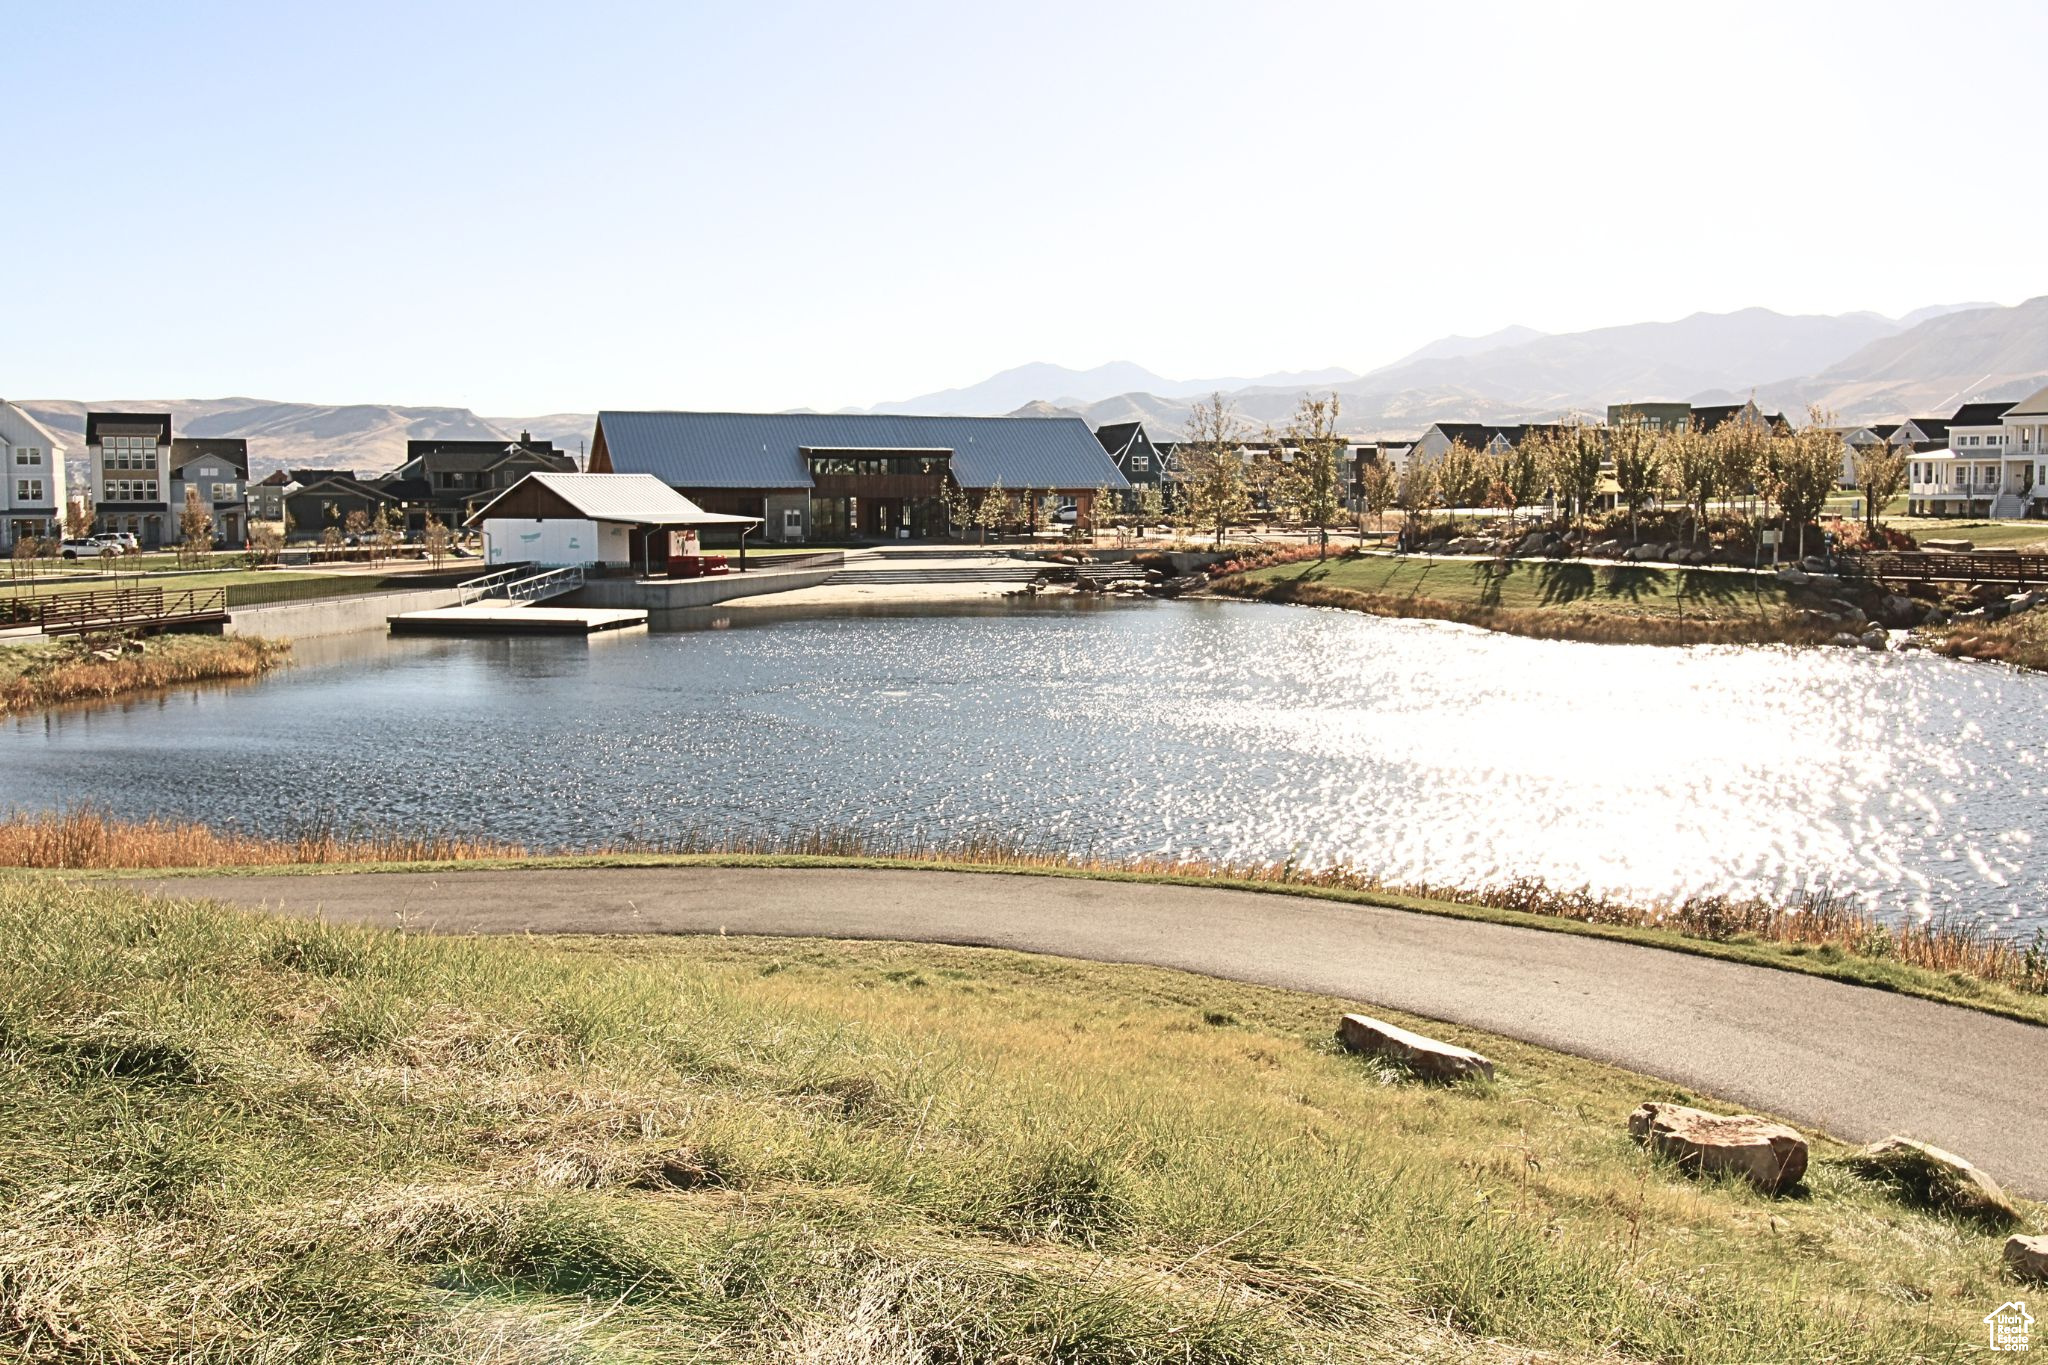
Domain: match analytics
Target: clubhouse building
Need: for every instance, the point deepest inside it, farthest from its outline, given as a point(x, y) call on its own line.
point(838, 476)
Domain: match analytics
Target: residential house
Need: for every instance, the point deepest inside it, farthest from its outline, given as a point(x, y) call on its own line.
point(2026, 450)
point(31, 479)
point(130, 455)
point(317, 500)
point(1972, 476)
point(266, 498)
point(217, 471)
point(847, 476)
point(1132, 451)
point(451, 480)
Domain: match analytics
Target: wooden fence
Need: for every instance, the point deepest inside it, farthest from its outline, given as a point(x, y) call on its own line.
point(130, 609)
point(1937, 566)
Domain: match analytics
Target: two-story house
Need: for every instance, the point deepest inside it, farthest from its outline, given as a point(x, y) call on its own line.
point(130, 455)
point(453, 479)
point(217, 469)
point(2026, 451)
point(1971, 476)
point(31, 479)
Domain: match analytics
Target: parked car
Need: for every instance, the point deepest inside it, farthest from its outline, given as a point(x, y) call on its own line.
point(1067, 516)
point(124, 541)
point(88, 548)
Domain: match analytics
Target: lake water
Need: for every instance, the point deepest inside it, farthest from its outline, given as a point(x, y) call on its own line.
point(1227, 730)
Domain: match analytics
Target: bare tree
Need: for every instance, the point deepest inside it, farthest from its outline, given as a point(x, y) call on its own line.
point(990, 512)
point(1151, 506)
point(265, 540)
point(383, 534)
point(438, 539)
point(1212, 458)
point(1315, 481)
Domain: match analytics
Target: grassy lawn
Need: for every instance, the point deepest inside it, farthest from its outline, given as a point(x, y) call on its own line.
point(1983, 534)
point(169, 581)
point(224, 1136)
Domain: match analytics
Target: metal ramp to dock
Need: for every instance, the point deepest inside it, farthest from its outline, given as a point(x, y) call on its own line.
point(507, 602)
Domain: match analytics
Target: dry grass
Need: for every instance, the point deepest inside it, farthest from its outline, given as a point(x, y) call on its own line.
point(2021, 641)
point(231, 1137)
point(97, 667)
point(1941, 958)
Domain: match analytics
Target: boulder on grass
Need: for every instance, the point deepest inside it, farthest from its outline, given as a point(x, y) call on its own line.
point(1769, 1155)
point(2027, 1257)
point(1426, 1057)
point(1930, 1178)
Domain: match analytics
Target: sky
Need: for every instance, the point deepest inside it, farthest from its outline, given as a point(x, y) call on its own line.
point(523, 209)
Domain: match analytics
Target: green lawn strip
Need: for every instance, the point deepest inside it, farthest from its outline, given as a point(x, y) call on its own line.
point(224, 1134)
point(1829, 963)
point(1982, 534)
point(1623, 589)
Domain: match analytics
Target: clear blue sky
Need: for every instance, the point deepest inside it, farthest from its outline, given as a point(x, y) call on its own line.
point(529, 208)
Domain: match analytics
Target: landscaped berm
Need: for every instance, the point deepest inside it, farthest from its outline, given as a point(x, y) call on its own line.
point(225, 1137)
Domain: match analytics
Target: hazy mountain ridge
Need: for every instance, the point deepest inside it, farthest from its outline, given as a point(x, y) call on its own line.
point(1859, 365)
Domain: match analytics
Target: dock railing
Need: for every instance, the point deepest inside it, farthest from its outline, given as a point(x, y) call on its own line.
point(522, 583)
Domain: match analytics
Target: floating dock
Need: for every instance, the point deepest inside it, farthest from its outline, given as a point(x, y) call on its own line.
point(506, 618)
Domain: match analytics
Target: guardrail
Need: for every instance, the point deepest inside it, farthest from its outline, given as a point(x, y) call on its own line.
point(522, 584)
point(1946, 566)
point(130, 609)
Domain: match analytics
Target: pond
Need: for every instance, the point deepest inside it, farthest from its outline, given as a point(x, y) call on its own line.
point(1235, 731)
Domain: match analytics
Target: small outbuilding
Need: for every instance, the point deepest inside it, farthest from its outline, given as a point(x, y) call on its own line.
point(619, 523)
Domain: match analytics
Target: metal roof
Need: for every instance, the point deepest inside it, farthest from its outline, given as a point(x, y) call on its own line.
point(639, 498)
point(763, 450)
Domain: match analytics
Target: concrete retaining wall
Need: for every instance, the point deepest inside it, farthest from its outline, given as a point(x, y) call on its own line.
point(670, 596)
point(337, 615)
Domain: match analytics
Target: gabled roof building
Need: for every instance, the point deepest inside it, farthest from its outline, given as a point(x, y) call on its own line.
point(850, 476)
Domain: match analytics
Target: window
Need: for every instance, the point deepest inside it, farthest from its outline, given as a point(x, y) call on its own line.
point(224, 492)
point(1141, 462)
point(29, 455)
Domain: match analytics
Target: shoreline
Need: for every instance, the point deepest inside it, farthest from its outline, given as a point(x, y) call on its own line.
point(49, 673)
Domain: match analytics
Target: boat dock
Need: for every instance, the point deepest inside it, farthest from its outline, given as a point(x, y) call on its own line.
point(516, 618)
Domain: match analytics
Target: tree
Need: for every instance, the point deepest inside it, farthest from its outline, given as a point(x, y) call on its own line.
point(988, 514)
point(383, 534)
point(265, 540)
point(1103, 509)
point(78, 518)
point(1739, 448)
point(195, 529)
point(1212, 457)
point(1314, 483)
point(1376, 488)
point(1880, 473)
point(1575, 452)
point(1520, 471)
point(358, 525)
point(1416, 491)
point(330, 538)
point(438, 539)
point(1460, 477)
point(1632, 450)
point(1692, 469)
point(1804, 468)
point(959, 513)
point(1151, 506)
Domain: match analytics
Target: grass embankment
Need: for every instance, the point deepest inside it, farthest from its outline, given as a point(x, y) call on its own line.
point(1954, 961)
point(77, 668)
point(1993, 535)
point(230, 1137)
point(2020, 640)
point(1544, 599)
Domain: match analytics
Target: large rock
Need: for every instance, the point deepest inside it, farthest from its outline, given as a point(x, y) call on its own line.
point(2028, 1257)
point(1424, 1056)
point(1769, 1155)
point(1933, 1179)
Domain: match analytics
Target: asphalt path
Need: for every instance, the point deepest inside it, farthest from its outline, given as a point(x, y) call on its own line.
point(1853, 1062)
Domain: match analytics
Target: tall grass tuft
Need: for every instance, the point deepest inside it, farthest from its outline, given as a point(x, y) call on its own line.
point(97, 667)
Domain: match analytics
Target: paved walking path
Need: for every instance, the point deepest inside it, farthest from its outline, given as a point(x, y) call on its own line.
point(1855, 1062)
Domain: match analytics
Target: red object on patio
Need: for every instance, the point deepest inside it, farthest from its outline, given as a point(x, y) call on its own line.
point(697, 566)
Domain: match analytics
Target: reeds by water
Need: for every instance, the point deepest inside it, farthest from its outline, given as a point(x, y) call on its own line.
point(90, 839)
point(36, 676)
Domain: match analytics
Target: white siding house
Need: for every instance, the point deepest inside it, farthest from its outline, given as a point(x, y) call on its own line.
point(31, 479)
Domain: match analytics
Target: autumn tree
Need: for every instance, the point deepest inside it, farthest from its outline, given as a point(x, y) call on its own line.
point(358, 525)
point(438, 538)
point(1575, 452)
point(1632, 453)
point(383, 534)
point(1804, 467)
point(1377, 486)
point(1460, 477)
point(989, 512)
point(1692, 470)
point(195, 529)
point(1519, 472)
point(78, 518)
point(1881, 475)
point(1212, 461)
point(1151, 506)
point(1739, 450)
point(1104, 509)
point(959, 512)
point(1315, 481)
point(265, 541)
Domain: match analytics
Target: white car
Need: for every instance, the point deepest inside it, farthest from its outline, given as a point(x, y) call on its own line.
point(88, 548)
point(124, 541)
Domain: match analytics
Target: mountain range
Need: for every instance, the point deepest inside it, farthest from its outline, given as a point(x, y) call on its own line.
point(1862, 366)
